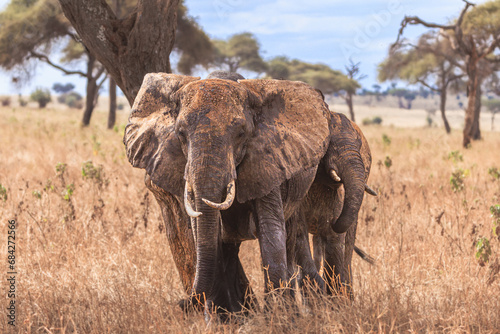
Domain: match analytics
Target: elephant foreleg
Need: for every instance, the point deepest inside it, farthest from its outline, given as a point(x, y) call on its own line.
point(271, 233)
point(333, 271)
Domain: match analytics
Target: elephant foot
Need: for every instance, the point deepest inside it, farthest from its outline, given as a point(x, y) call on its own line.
point(191, 304)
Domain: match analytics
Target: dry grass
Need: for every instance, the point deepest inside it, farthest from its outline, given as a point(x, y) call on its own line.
point(98, 263)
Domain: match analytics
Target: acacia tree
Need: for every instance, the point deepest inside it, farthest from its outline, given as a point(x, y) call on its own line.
point(474, 36)
point(431, 63)
point(239, 51)
point(30, 29)
point(349, 90)
point(321, 76)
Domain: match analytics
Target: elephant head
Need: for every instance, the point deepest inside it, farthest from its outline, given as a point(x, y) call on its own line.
point(212, 141)
point(346, 162)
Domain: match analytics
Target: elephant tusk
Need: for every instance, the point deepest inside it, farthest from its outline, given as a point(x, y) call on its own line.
point(370, 190)
point(229, 198)
point(334, 176)
point(187, 202)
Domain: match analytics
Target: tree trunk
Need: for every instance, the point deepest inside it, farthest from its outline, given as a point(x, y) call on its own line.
point(112, 104)
point(476, 132)
point(348, 100)
point(128, 48)
point(442, 99)
point(92, 91)
point(471, 129)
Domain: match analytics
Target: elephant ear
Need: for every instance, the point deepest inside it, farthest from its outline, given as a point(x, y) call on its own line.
point(291, 135)
point(150, 139)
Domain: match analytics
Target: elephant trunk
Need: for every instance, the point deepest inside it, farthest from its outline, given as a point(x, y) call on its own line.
point(352, 174)
point(211, 177)
point(207, 231)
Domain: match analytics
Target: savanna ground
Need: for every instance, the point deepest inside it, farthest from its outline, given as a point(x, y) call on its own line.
point(91, 256)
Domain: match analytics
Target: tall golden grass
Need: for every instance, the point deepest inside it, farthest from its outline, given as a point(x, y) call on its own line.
point(98, 261)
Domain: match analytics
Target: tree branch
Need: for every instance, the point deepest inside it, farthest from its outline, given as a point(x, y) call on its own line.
point(414, 20)
point(44, 58)
point(427, 85)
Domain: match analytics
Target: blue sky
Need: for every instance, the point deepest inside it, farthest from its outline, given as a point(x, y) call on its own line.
point(326, 31)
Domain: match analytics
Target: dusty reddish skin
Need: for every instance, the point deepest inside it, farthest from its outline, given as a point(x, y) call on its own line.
point(350, 156)
point(269, 135)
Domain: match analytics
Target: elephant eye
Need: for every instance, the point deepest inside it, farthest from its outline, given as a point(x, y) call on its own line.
point(182, 136)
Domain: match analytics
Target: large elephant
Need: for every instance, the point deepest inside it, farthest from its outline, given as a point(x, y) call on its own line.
point(332, 204)
point(204, 143)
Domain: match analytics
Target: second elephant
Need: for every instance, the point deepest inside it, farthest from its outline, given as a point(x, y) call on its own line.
point(332, 205)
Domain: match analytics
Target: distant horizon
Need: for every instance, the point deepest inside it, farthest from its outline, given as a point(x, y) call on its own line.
point(329, 32)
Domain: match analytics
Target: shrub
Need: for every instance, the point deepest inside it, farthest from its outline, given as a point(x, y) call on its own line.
point(455, 156)
point(22, 101)
point(483, 251)
point(60, 88)
point(3, 193)
point(5, 101)
point(42, 96)
point(457, 179)
point(71, 99)
point(386, 140)
point(494, 173)
point(388, 162)
point(374, 120)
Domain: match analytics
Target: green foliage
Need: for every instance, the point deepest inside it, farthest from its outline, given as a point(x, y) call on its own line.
point(48, 186)
point(5, 101)
point(60, 88)
point(493, 105)
point(386, 140)
point(22, 102)
point(483, 22)
point(483, 250)
point(457, 179)
point(94, 173)
point(42, 96)
point(60, 168)
point(192, 43)
point(429, 121)
point(68, 192)
point(71, 99)
point(320, 76)
point(3, 193)
point(239, 51)
point(37, 194)
point(495, 214)
point(455, 156)
point(375, 120)
point(388, 162)
point(494, 173)
point(27, 26)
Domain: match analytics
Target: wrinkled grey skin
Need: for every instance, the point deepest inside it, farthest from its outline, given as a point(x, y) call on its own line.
point(196, 137)
point(328, 201)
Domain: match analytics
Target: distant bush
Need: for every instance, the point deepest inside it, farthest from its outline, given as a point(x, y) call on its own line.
point(22, 101)
point(42, 96)
point(60, 88)
point(71, 99)
point(5, 101)
point(374, 120)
